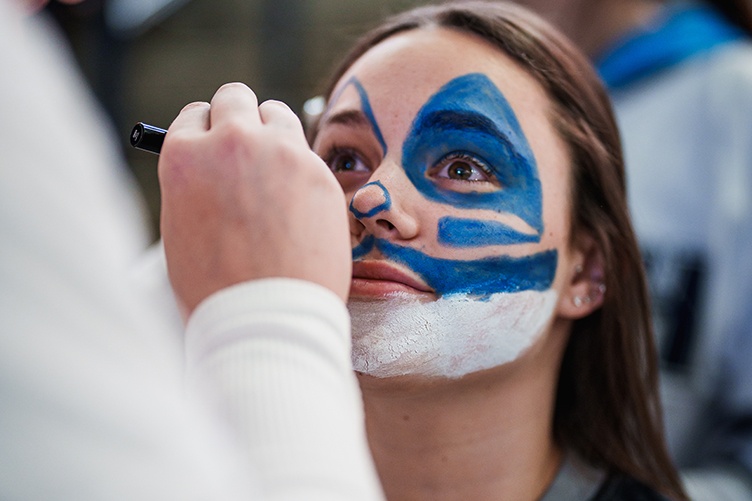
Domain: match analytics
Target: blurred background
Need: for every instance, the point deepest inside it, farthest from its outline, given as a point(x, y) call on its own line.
point(146, 59)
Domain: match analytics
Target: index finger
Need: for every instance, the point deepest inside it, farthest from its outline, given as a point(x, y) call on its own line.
point(234, 103)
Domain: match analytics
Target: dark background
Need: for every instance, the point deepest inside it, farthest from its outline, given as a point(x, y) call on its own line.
point(283, 49)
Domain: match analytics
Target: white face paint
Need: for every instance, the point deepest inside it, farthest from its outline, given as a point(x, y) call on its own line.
point(449, 337)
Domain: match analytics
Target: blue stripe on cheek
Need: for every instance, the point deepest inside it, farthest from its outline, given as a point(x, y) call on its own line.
point(456, 232)
point(479, 278)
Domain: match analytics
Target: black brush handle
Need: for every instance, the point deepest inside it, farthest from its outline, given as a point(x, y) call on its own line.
point(147, 137)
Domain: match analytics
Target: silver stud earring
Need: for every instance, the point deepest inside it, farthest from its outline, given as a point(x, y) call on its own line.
point(577, 301)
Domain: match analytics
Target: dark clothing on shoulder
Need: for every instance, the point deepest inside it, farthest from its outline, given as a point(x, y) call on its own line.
point(577, 481)
point(621, 487)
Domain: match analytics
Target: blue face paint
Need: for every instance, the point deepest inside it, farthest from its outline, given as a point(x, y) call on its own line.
point(479, 278)
point(365, 105)
point(385, 205)
point(457, 232)
point(470, 115)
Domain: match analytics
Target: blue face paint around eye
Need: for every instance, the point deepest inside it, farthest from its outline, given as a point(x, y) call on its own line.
point(469, 114)
point(478, 278)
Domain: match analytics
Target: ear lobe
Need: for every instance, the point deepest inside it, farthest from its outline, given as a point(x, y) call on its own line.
point(587, 285)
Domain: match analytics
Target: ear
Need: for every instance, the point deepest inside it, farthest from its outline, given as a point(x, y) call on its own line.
point(586, 283)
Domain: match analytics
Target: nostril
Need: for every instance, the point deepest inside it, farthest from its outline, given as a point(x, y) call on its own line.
point(385, 224)
point(356, 226)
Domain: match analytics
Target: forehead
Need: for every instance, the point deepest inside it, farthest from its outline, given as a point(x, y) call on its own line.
point(401, 72)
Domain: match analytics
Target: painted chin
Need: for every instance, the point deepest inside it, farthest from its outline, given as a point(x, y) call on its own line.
point(446, 338)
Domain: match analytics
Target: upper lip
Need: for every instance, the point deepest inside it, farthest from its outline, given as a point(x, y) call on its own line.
point(380, 270)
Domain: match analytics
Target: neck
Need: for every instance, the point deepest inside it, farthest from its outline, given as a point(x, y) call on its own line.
point(485, 436)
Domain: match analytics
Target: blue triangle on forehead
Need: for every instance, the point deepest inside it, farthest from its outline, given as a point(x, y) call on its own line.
point(365, 105)
point(476, 92)
point(470, 115)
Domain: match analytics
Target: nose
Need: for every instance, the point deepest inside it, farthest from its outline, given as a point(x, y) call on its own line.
point(374, 209)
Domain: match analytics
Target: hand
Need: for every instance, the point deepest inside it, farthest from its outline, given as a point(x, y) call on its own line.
point(244, 197)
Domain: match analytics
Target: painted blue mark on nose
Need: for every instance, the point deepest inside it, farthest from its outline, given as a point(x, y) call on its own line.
point(385, 205)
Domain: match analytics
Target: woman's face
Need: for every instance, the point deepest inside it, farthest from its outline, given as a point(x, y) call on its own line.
point(458, 192)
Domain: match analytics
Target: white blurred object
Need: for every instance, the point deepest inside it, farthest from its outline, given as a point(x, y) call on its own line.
point(722, 484)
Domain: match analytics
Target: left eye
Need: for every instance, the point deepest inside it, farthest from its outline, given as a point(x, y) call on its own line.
point(463, 167)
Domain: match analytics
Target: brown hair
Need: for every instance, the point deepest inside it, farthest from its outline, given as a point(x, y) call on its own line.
point(607, 404)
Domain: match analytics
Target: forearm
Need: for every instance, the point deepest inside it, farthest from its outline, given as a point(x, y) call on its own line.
point(275, 356)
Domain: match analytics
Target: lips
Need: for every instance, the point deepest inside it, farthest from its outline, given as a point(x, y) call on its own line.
point(379, 278)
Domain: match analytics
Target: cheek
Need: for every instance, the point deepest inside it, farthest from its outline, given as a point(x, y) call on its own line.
point(557, 237)
point(557, 215)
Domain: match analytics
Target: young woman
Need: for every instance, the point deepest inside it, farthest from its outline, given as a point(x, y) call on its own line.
point(501, 332)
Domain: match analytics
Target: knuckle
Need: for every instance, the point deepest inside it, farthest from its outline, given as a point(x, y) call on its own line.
point(235, 87)
point(197, 105)
point(275, 103)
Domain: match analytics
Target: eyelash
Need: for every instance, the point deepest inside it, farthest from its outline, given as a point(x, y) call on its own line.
point(335, 152)
point(351, 177)
point(472, 161)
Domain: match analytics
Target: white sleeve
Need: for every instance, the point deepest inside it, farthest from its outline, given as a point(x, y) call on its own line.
point(275, 356)
point(92, 403)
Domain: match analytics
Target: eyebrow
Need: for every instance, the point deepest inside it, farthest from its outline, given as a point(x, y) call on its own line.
point(347, 117)
point(464, 120)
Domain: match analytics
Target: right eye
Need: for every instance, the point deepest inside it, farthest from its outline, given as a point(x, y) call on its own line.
point(344, 161)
